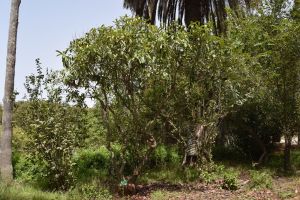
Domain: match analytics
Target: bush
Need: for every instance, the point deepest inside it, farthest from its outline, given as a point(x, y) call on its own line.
point(54, 127)
point(230, 181)
point(165, 156)
point(260, 180)
point(173, 158)
point(24, 169)
point(90, 163)
point(160, 155)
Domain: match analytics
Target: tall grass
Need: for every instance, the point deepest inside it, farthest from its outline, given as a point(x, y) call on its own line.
point(19, 192)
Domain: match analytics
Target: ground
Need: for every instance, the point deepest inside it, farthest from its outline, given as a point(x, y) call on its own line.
point(282, 188)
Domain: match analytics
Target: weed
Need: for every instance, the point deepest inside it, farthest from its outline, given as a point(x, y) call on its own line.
point(230, 181)
point(260, 179)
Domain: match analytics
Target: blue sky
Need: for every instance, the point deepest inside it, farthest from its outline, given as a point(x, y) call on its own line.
point(47, 26)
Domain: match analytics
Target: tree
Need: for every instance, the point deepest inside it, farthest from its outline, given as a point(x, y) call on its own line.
point(274, 40)
point(150, 83)
point(185, 10)
point(6, 138)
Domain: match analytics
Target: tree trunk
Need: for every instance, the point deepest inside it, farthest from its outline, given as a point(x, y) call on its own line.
point(287, 154)
point(6, 170)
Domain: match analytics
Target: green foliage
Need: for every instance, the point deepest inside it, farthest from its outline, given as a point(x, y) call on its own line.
point(274, 42)
point(54, 129)
point(295, 157)
point(90, 191)
point(153, 86)
point(261, 180)
point(173, 157)
point(164, 156)
point(91, 163)
point(215, 173)
point(95, 135)
point(286, 194)
point(19, 192)
point(26, 170)
point(275, 161)
point(230, 181)
point(157, 83)
point(160, 155)
point(296, 10)
point(247, 132)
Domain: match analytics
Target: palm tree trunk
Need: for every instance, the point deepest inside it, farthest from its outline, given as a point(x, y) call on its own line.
point(6, 170)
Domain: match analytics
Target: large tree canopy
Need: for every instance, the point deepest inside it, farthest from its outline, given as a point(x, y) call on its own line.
point(185, 10)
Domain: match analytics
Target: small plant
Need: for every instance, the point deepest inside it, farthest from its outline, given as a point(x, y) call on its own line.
point(207, 177)
point(260, 180)
point(230, 181)
point(92, 191)
point(286, 194)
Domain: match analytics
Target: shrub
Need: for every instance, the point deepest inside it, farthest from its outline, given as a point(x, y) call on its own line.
point(24, 169)
point(212, 173)
point(173, 158)
point(230, 181)
point(90, 163)
point(160, 155)
point(164, 156)
point(260, 180)
point(54, 128)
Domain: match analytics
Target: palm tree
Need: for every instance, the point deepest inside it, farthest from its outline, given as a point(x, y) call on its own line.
point(6, 170)
point(186, 11)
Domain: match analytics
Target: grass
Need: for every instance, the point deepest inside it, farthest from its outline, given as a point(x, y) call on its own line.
point(162, 195)
point(174, 176)
point(159, 195)
point(20, 192)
